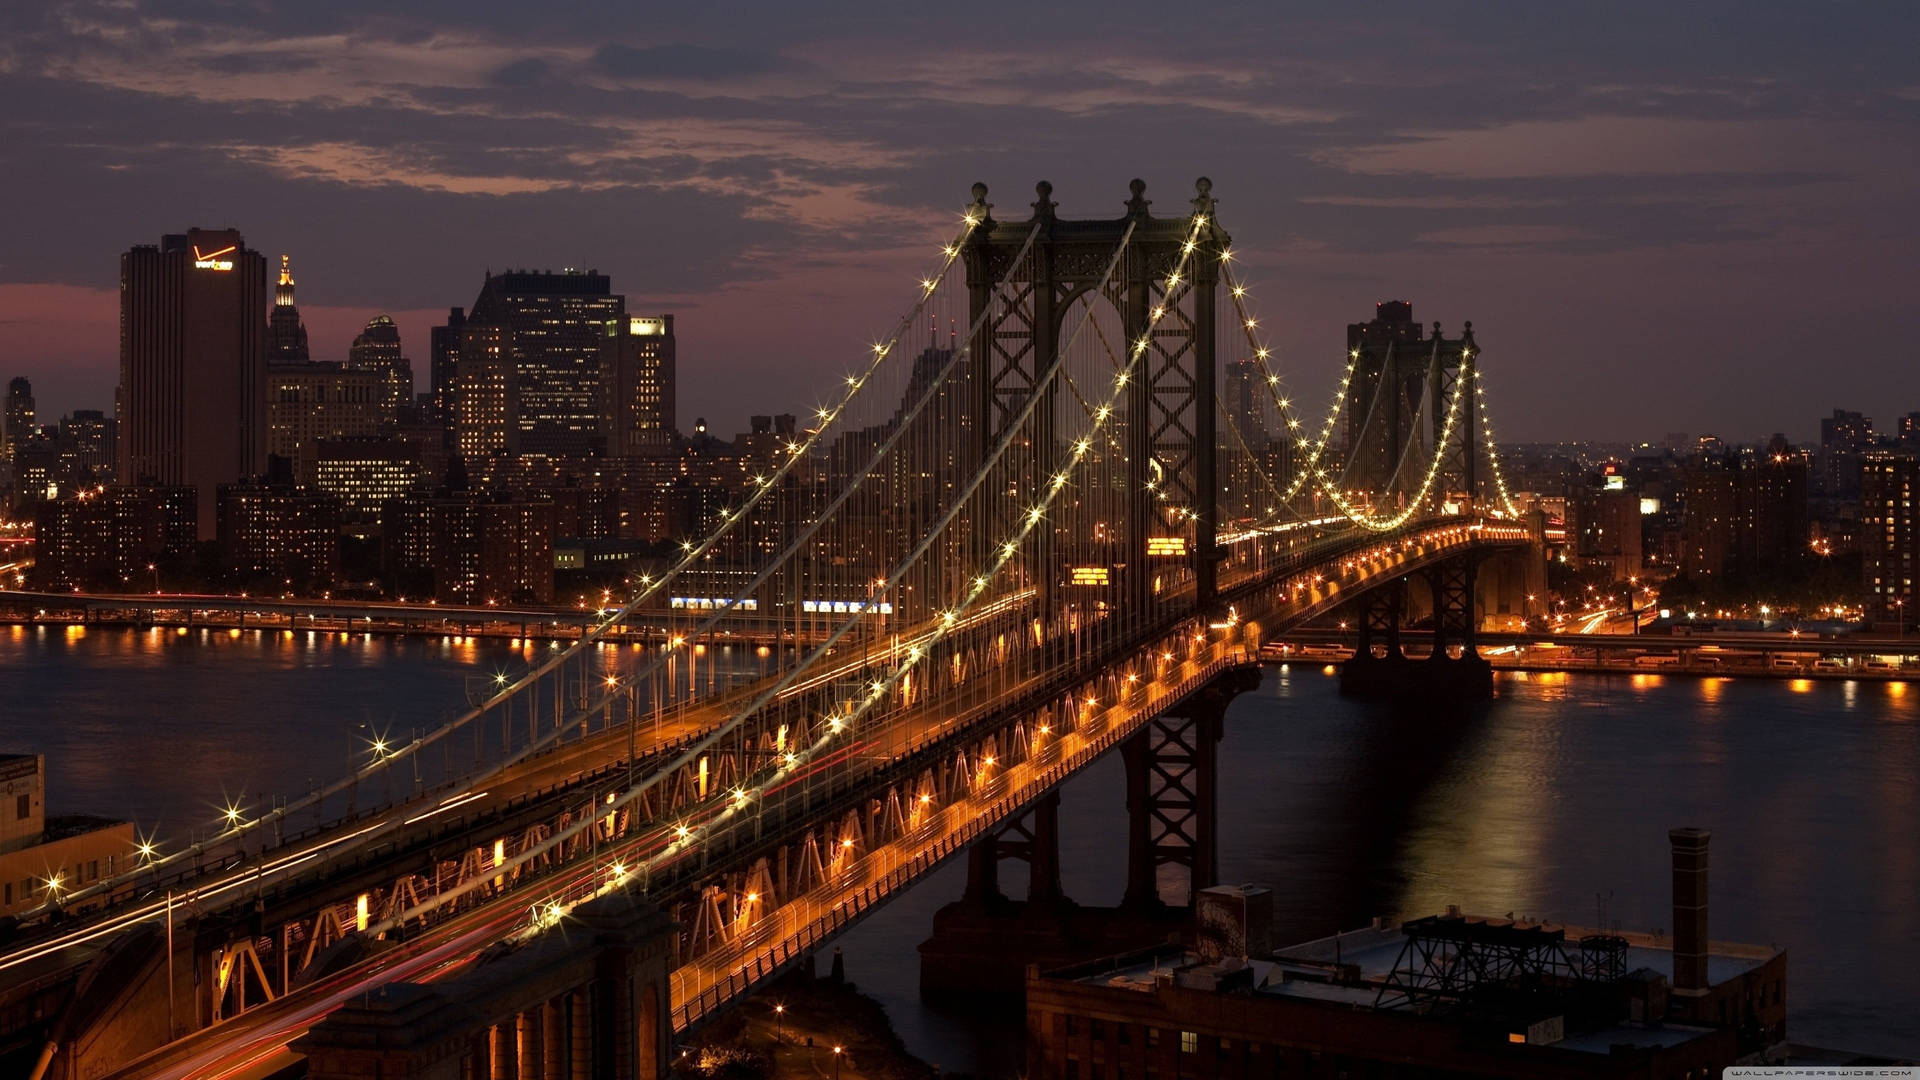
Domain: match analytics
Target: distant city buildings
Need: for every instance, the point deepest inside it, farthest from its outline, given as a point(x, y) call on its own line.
point(1746, 515)
point(236, 459)
point(365, 475)
point(1603, 522)
point(114, 539)
point(315, 400)
point(1256, 449)
point(274, 537)
point(193, 373)
point(469, 549)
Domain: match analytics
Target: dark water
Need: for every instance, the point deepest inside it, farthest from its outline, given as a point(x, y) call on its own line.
point(165, 728)
point(1561, 789)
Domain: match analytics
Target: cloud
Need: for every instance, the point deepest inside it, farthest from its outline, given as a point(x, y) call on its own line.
point(767, 168)
point(1610, 146)
point(683, 62)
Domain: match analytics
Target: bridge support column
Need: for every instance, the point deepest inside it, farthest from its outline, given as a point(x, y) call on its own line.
point(1043, 852)
point(1441, 674)
point(1377, 659)
point(983, 872)
point(980, 948)
point(1035, 841)
point(1173, 809)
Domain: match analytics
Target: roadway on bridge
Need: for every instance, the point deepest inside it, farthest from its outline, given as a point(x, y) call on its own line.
point(260, 1037)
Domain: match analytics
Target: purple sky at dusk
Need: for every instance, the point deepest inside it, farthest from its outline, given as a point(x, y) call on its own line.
point(1657, 221)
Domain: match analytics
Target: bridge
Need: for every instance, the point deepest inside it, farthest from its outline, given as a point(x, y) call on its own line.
point(1027, 529)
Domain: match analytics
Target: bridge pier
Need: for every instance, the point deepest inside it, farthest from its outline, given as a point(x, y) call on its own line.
point(1378, 668)
point(983, 943)
point(1172, 796)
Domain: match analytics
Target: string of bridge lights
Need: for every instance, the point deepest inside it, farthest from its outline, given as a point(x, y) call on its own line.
point(798, 543)
point(1493, 456)
point(688, 833)
point(234, 822)
point(1311, 470)
point(1314, 446)
point(685, 834)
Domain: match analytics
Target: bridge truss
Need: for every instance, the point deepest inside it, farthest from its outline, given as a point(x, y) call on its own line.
point(1023, 527)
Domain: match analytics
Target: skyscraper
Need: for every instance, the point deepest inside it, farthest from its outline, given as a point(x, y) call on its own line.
point(193, 325)
point(377, 349)
point(286, 334)
point(486, 404)
point(443, 365)
point(1383, 430)
point(559, 336)
point(19, 416)
point(639, 394)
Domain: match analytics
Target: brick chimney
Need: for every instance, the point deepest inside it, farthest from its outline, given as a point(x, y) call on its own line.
point(1689, 911)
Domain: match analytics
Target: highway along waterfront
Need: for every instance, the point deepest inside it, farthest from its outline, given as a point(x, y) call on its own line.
point(1551, 801)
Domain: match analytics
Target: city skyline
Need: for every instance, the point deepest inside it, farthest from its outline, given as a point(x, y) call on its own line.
point(1634, 207)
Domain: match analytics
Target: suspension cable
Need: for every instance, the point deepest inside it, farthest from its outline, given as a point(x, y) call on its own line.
point(692, 553)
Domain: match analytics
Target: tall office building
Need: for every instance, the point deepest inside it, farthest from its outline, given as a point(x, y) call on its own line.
point(639, 418)
point(19, 416)
point(286, 334)
point(318, 400)
point(443, 365)
point(486, 403)
point(193, 327)
point(559, 335)
point(1383, 430)
point(88, 437)
point(378, 350)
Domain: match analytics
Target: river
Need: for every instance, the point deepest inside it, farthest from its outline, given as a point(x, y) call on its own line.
point(1548, 801)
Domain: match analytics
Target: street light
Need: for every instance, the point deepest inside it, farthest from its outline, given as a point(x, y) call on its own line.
point(836, 1061)
point(779, 1022)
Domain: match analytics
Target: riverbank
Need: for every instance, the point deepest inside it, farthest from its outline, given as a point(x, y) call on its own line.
point(803, 1029)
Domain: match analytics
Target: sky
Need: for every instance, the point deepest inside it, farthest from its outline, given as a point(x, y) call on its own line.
point(1659, 217)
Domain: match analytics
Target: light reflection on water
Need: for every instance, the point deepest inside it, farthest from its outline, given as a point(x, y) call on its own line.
point(1551, 802)
point(1548, 802)
point(166, 725)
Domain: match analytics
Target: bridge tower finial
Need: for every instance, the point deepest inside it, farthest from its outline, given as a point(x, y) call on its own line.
point(1137, 206)
point(1203, 201)
point(1044, 208)
point(980, 209)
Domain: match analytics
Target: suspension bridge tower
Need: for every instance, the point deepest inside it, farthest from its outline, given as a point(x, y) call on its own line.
point(1166, 428)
